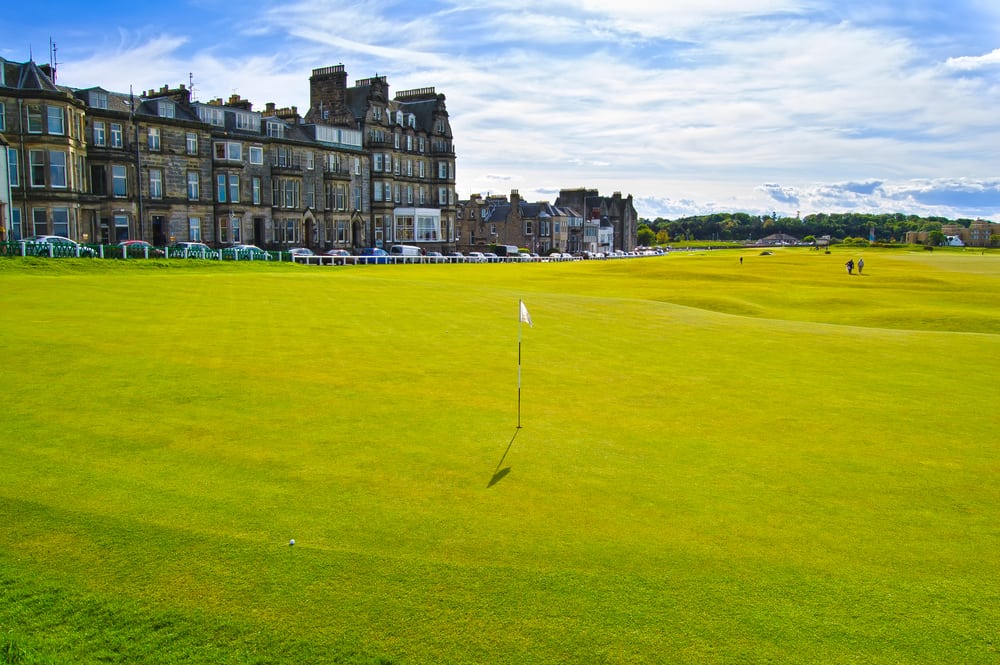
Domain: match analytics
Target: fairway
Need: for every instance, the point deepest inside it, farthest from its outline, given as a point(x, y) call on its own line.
point(771, 461)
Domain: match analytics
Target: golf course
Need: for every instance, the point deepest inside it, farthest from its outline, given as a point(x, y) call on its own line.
point(766, 461)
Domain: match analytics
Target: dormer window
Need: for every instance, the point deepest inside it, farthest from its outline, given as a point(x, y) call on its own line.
point(165, 109)
point(98, 100)
point(399, 118)
point(276, 130)
point(413, 121)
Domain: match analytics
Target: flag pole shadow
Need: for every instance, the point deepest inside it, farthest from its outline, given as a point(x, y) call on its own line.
point(498, 473)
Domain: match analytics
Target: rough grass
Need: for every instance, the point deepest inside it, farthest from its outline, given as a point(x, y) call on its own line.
point(773, 462)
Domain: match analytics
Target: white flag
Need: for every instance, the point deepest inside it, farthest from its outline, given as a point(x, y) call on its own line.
point(525, 317)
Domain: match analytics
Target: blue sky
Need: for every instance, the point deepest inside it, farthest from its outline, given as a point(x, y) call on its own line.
point(787, 106)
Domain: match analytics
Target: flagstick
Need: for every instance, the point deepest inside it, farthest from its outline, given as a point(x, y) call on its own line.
point(519, 317)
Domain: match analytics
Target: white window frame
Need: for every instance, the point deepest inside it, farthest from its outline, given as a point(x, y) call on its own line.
point(256, 154)
point(155, 184)
point(193, 185)
point(100, 133)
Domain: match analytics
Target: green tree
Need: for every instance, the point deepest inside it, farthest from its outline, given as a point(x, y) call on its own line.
point(645, 236)
point(936, 238)
point(662, 237)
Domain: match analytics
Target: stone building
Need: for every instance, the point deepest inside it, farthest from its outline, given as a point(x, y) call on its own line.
point(101, 166)
point(610, 223)
point(494, 220)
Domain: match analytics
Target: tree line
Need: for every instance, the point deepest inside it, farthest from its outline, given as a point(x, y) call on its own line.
point(741, 226)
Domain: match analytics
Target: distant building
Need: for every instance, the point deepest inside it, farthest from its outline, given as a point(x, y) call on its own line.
point(616, 214)
point(538, 227)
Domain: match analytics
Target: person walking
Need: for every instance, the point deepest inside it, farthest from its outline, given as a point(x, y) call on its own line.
point(861, 265)
point(850, 266)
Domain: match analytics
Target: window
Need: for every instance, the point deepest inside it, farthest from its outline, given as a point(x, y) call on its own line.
point(357, 166)
point(15, 219)
point(311, 197)
point(155, 184)
point(421, 169)
point(3, 116)
point(377, 161)
point(443, 170)
point(193, 185)
point(285, 193)
point(36, 167)
point(99, 100)
point(248, 121)
point(378, 191)
point(229, 151)
point(528, 228)
point(40, 221)
point(220, 188)
point(356, 196)
point(153, 139)
point(57, 168)
point(116, 135)
point(283, 157)
point(121, 227)
point(191, 143)
point(310, 161)
point(34, 118)
point(256, 154)
point(98, 180)
point(119, 182)
point(409, 142)
point(165, 109)
point(99, 133)
point(234, 188)
point(60, 222)
point(234, 224)
point(395, 141)
point(276, 130)
point(256, 186)
point(213, 115)
point(194, 229)
point(15, 174)
point(57, 120)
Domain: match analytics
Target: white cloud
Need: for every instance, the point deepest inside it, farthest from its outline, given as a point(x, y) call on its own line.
point(972, 63)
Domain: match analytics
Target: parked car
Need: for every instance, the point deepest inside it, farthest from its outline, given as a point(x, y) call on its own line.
point(301, 251)
point(193, 250)
point(476, 257)
point(140, 248)
point(373, 255)
point(490, 257)
point(435, 257)
point(455, 257)
point(56, 246)
point(246, 253)
point(337, 252)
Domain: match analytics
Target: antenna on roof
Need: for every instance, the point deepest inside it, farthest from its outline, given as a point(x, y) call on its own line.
point(191, 85)
point(53, 61)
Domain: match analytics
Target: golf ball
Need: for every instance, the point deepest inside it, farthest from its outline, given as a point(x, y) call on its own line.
point(291, 542)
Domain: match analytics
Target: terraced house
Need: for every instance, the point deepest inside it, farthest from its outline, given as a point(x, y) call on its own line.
point(360, 169)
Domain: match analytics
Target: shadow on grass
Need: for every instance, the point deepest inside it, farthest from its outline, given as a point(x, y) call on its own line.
point(499, 473)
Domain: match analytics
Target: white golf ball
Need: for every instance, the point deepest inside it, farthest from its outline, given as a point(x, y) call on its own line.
point(291, 542)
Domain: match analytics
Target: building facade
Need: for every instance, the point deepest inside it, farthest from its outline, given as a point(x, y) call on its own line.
point(358, 170)
point(538, 227)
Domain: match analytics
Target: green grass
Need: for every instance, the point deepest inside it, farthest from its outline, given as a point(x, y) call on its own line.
point(719, 463)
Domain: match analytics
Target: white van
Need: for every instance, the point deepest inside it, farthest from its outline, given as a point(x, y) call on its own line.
point(405, 250)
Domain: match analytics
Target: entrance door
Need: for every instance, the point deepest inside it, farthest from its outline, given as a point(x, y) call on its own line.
point(258, 231)
point(159, 236)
